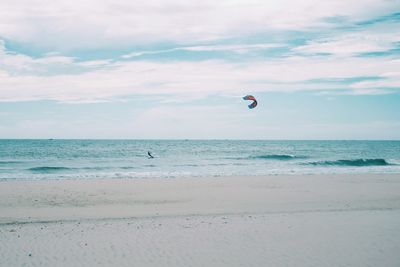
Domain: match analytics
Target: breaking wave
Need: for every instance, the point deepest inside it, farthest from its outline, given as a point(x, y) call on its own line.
point(10, 162)
point(54, 169)
point(48, 169)
point(352, 162)
point(278, 157)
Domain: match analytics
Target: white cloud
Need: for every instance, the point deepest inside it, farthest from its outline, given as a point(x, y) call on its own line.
point(20, 65)
point(390, 82)
point(242, 48)
point(352, 44)
point(76, 24)
point(22, 77)
point(69, 25)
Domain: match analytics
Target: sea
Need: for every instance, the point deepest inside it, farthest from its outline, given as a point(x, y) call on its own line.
point(110, 159)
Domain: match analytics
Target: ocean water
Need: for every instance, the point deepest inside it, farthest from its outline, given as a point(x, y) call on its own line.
point(93, 159)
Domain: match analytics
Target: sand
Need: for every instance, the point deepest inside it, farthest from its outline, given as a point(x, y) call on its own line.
point(299, 220)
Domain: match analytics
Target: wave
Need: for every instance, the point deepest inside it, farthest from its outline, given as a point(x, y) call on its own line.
point(10, 162)
point(278, 157)
point(187, 165)
point(149, 165)
point(126, 168)
point(352, 162)
point(48, 169)
point(102, 168)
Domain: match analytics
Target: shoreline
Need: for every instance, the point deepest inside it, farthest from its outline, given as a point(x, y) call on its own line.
point(58, 200)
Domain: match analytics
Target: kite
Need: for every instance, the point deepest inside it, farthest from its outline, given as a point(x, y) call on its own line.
point(250, 97)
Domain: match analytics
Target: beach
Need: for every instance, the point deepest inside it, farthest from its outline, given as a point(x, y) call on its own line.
point(200, 133)
point(267, 220)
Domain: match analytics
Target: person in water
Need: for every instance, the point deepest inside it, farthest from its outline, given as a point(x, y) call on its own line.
point(150, 156)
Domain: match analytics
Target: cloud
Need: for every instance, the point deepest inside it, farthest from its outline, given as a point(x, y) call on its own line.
point(16, 65)
point(390, 83)
point(22, 77)
point(348, 45)
point(378, 35)
point(74, 24)
point(242, 48)
point(331, 53)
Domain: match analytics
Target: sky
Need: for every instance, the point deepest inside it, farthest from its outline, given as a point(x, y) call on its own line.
point(173, 69)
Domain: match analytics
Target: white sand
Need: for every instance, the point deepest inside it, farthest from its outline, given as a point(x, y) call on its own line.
point(316, 220)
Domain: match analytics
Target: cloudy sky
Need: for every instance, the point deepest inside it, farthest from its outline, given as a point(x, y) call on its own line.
point(178, 69)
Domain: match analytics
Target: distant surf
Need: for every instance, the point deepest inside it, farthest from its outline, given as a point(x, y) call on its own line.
point(45, 169)
point(278, 157)
point(10, 162)
point(48, 169)
point(352, 162)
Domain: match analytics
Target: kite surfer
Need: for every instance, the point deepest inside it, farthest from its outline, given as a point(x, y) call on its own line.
point(149, 154)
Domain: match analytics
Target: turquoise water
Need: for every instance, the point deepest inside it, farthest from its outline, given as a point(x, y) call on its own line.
point(91, 159)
